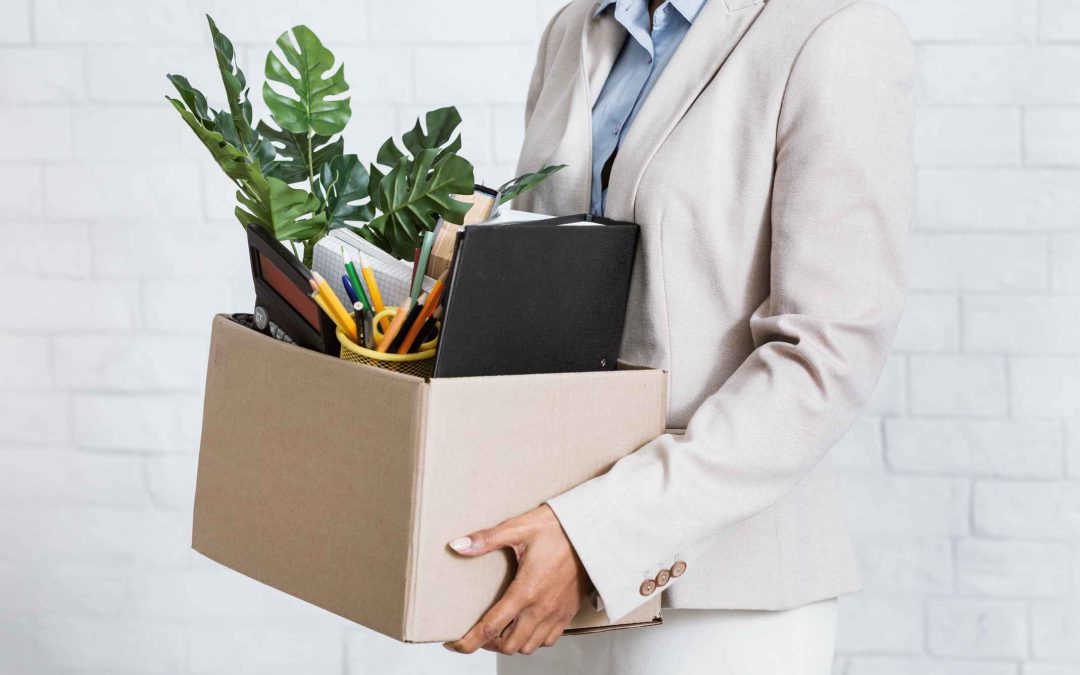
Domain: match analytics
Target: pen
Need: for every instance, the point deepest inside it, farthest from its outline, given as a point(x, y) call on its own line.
point(348, 288)
point(414, 311)
point(369, 331)
point(364, 327)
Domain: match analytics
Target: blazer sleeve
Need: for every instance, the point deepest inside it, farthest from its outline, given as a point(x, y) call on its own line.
point(840, 215)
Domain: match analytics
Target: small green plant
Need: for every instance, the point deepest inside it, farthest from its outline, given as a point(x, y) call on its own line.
point(294, 179)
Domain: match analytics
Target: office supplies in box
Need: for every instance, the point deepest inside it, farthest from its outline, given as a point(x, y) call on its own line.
point(342, 484)
point(393, 274)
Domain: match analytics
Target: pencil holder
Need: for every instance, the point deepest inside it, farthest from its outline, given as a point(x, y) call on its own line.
point(419, 364)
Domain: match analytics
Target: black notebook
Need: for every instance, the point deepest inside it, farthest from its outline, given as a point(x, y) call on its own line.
point(543, 296)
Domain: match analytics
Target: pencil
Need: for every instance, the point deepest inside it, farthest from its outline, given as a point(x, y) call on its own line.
point(415, 265)
point(373, 289)
point(348, 288)
point(395, 326)
point(421, 268)
point(334, 306)
point(359, 287)
point(336, 319)
point(430, 304)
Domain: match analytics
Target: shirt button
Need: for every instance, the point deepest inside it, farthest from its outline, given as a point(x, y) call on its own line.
point(647, 587)
point(663, 577)
point(616, 129)
point(678, 569)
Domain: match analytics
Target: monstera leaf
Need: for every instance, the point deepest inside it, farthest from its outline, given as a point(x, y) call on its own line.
point(194, 99)
point(441, 125)
point(236, 89)
point(414, 194)
point(234, 162)
point(513, 188)
point(287, 213)
point(310, 109)
point(292, 158)
point(344, 181)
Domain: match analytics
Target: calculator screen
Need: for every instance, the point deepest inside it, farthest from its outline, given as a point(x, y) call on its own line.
point(289, 292)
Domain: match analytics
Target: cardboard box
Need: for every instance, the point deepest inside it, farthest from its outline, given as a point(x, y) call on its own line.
point(341, 484)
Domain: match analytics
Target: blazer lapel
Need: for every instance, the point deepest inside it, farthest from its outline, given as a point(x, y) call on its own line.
point(601, 40)
point(715, 33)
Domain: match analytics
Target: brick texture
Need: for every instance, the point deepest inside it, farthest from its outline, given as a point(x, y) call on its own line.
point(961, 479)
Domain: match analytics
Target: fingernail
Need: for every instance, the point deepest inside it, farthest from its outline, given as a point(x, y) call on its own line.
point(447, 647)
point(461, 544)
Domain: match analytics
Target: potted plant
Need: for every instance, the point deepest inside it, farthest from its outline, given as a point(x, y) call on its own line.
point(293, 177)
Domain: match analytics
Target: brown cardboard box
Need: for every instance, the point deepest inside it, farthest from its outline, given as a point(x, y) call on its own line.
point(341, 484)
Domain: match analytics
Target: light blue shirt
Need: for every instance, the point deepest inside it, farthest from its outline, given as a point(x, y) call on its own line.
point(640, 63)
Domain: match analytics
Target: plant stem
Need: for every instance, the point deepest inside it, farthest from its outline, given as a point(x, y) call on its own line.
point(310, 163)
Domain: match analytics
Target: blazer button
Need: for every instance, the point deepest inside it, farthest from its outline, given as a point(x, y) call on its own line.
point(663, 577)
point(647, 587)
point(678, 568)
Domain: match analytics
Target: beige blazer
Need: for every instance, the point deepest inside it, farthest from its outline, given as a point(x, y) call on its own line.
point(770, 170)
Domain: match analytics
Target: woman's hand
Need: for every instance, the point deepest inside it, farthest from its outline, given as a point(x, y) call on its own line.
point(545, 593)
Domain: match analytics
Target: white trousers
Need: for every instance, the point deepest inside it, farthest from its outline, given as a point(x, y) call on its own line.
point(697, 642)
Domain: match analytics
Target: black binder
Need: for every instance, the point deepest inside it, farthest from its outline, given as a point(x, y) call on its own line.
point(543, 296)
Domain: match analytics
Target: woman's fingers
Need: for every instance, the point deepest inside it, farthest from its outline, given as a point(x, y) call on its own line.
point(554, 634)
point(540, 637)
point(491, 626)
point(520, 635)
point(504, 535)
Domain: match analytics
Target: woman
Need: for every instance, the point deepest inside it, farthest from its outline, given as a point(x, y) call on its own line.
point(764, 148)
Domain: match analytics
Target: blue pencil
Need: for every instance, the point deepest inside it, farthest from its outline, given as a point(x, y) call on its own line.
point(349, 288)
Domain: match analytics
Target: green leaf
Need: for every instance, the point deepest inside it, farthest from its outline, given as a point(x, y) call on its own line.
point(389, 154)
point(291, 165)
point(310, 109)
point(441, 125)
point(236, 89)
point(194, 99)
point(415, 194)
point(260, 150)
point(344, 181)
point(374, 237)
point(287, 213)
point(233, 161)
point(521, 184)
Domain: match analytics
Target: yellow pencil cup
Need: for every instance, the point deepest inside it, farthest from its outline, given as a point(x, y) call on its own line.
point(420, 364)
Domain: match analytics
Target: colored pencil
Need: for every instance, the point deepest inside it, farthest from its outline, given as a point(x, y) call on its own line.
point(373, 290)
point(349, 288)
point(395, 326)
point(421, 268)
point(334, 306)
point(355, 278)
point(430, 304)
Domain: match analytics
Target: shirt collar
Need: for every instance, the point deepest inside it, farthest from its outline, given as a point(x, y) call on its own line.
point(688, 8)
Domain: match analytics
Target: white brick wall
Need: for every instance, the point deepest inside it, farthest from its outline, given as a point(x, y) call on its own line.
point(962, 479)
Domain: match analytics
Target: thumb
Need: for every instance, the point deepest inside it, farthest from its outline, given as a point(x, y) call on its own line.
point(485, 541)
